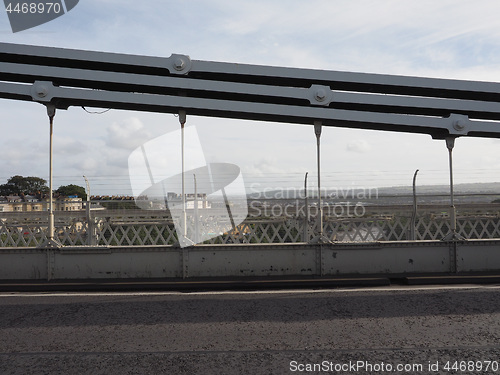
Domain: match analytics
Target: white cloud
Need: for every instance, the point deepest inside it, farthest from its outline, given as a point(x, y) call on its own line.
point(358, 145)
point(264, 167)
point(127, 134)
point(68, 146)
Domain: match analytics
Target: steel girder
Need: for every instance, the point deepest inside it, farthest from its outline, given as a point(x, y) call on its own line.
point(65, 77)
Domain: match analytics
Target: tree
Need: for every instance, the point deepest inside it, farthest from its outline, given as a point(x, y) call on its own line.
point(24, 185)
point(68, 190)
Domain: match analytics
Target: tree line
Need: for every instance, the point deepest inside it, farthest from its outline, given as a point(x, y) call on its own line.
point(36, 186)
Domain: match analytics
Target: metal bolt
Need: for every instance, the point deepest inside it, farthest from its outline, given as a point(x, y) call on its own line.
point(179, 64)
point(459, 125)
point(41, 91)
point(320, 95)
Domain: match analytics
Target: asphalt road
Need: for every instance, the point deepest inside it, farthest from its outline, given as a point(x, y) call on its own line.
point(333, 332)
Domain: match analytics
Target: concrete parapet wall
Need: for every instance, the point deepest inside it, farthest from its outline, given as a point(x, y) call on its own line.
point(384, 258)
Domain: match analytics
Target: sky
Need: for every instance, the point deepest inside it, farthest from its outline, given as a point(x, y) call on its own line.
point(455, 39)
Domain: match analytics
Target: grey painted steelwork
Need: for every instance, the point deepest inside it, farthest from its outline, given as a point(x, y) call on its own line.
point(383, 258)
point(143, 228)
point(63, 77)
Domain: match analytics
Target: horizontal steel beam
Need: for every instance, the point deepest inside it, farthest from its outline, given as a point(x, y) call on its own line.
point(66, 78)
point(235, 72)
point(143, 83)
point(438, 127)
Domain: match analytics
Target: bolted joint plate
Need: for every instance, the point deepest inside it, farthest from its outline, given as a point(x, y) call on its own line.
point(42, 91)
point(458, 124)
point(320, 95)
point(179, 64)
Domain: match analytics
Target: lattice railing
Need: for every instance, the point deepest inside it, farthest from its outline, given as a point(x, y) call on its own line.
point(138, 228)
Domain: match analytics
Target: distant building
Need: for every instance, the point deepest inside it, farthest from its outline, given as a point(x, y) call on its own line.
point(30, 203)
point(71, 203)
point(200, 198)
point(16, 203)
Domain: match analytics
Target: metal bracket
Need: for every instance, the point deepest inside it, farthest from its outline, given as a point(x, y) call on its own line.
point(182, 117)
point(450, 143)
point(179, 64)
point(458, 124)
point(42, 91)
point(320, 95)
point(317, 129)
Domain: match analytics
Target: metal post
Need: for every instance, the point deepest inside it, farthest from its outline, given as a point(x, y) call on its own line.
point(51, 241)
point(196, 237)
point(452, 235)
point(51, 112)
point(185, 240)
point(90, 226)
point(317, 131)
point(306, 208)
point(182, 120)
point(414, 213)
point(450, 142)
point(320, 238)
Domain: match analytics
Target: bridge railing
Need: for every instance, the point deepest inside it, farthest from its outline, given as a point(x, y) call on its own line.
point(133, 227)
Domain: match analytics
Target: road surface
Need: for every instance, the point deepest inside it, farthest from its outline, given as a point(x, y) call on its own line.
point(351, 331)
